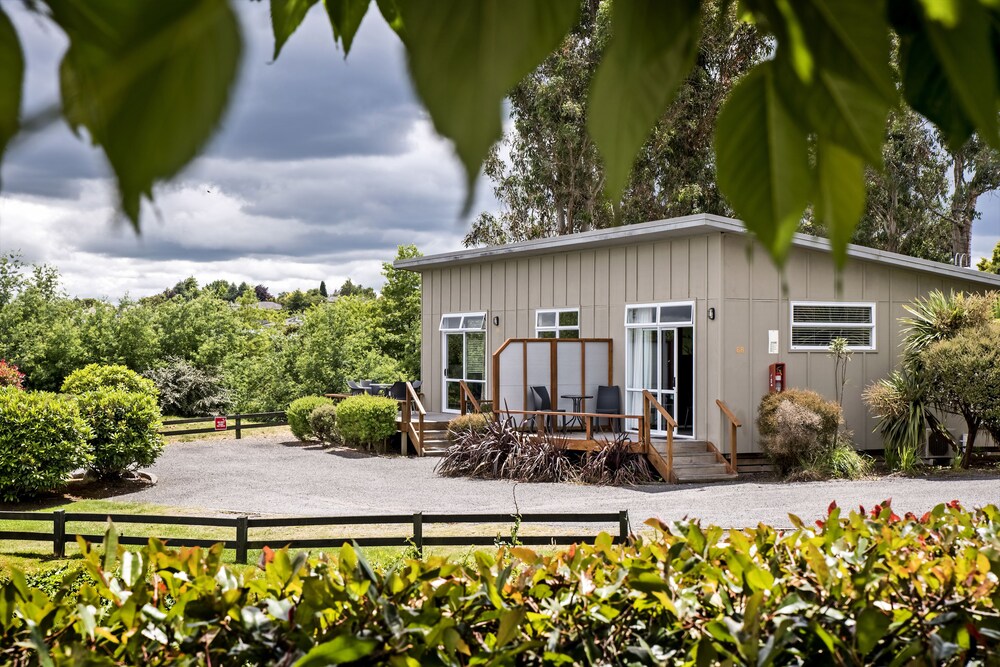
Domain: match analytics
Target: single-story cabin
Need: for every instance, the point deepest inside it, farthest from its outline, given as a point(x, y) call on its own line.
point(690, 310)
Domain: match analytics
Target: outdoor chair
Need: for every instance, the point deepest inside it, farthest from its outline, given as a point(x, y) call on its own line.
point(398, 391)
point(609, 402)
point(355, 388)
point(543, 403)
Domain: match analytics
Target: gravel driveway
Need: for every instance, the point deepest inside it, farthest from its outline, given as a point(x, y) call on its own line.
point(270, 475)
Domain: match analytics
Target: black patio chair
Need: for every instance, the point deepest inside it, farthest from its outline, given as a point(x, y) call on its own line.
point(355, 388)
point(543, 403)
point(609, 402)
point(398, 391)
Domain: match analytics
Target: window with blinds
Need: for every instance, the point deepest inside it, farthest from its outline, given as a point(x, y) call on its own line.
point(816, 324)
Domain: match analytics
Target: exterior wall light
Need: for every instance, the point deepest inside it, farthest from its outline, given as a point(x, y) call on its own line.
point(496, 320)
point(711, 313)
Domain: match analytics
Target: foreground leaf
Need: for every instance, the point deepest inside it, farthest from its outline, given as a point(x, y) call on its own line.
point(763, 166)
point(840, 198)
point(286, 16)
point(340, 650)
point(465, 57)
point(11, 81)
point(149, 81)
point(652, 48)
point(345, 19)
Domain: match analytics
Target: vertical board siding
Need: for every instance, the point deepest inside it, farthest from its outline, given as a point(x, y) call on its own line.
point(716, 270)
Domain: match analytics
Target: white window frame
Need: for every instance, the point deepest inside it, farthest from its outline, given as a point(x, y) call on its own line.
point(657, 321)
point(557, 328)
point(792, 325)
point(461, 326)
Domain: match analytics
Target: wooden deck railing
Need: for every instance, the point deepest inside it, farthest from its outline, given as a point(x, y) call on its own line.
point(409, 430)
point(585, 417)
point(466, 397)
point(734, 424)
point(665, 468)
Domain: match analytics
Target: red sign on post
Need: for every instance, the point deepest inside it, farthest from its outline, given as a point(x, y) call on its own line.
point(220, 423)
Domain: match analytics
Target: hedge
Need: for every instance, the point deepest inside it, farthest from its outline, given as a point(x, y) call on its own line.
point(124, 430)
point(865, 588)
point(94, 377)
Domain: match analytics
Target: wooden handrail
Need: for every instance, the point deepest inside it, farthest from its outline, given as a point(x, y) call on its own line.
point(416, 434)
point(463, 391)
point(649, 400)
point(734, 424)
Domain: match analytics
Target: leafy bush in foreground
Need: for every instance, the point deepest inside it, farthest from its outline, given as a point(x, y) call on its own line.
point(94, 377)
point(124, 430)
point(42, 440)
point(298, 415)
point(366, 421)
point(868, 588)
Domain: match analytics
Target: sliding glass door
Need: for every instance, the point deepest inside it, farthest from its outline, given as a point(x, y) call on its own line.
point(660, 359)
point(464, 355)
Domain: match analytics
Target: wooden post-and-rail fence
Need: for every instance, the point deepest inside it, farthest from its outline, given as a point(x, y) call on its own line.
point(59, 534)
point(233, 423)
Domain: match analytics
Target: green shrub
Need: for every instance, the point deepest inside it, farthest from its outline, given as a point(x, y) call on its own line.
point(797, 427)
point(188, 391)
point(869, 588)
point(845, 462)
point(123, 428)
point(366, 421)
point(96, 376)
point(42, 440)
point(10, 375)
point(472, 422)
point(298, 415)
point(323, 423)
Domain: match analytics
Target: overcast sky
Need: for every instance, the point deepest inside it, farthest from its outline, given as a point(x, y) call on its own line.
point(321, 168)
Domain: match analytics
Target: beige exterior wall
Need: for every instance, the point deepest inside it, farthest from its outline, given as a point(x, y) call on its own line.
point(756, 299)
point(599, 281)
point(714, 269)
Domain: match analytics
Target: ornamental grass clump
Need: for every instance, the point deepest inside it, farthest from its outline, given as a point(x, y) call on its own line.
point(615, 464)
point(474, 421)
point(853, 588)
point(797, 427)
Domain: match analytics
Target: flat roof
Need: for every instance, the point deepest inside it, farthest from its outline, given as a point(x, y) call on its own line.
point(689, 225)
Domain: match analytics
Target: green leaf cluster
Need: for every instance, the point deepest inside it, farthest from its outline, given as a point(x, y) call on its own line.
point(854, 588)
point(124, 429)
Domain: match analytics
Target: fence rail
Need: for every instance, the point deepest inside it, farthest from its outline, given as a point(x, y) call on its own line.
point(59, 534)
point(233, 423)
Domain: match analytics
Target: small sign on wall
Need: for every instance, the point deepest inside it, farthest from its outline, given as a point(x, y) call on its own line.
point(772, 341)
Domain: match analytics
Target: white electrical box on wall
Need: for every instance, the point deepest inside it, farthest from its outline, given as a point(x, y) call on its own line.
point(772, 341)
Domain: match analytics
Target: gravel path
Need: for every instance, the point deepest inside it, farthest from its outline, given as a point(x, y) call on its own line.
point(270, 475)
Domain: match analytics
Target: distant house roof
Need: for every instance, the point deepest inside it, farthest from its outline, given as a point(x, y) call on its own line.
point(676, 227)
point(268, 305)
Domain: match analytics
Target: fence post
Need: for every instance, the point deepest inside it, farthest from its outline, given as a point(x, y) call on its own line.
point(418, 532)
point(238, 427)
point(242, 532)
point(623, 526)
point(59, 533)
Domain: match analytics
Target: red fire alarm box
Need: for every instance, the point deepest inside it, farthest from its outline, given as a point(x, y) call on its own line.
point(777, 380)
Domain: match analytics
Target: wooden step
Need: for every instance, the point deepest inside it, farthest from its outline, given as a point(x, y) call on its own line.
point(694, 461)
